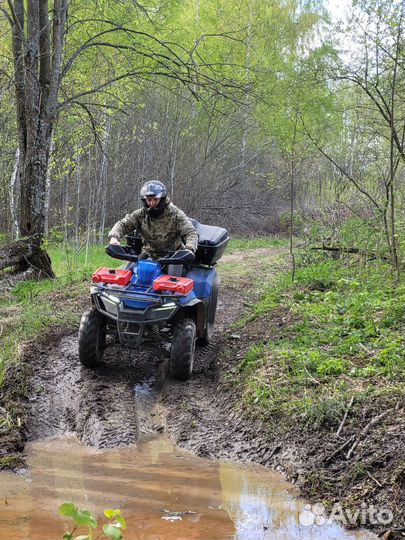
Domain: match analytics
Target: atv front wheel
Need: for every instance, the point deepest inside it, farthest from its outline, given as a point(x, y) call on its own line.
point(92, 334)
point(183, 347)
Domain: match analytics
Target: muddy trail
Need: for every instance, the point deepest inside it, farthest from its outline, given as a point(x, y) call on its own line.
point(131, 394)
point(130, 397)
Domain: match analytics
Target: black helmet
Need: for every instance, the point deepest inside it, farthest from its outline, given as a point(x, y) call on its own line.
point(154, 188)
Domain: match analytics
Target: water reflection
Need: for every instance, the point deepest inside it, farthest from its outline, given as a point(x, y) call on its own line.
point(164, 493)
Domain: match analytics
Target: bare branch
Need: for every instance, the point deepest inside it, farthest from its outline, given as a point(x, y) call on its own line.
point(7, 15)
point(341, 169)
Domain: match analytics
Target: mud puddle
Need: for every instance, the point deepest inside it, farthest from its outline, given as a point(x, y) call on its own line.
point(163, 492)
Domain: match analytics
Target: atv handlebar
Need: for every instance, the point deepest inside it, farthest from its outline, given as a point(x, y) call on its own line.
point(182, 256)
point(127, 253)
point(124, 253)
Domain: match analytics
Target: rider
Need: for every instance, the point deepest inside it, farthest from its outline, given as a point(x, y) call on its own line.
point(163, 227)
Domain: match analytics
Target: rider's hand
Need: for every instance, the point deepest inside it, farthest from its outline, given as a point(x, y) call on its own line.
point(114, 241)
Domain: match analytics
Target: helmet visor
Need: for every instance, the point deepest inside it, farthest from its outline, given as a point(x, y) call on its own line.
point(153, 189)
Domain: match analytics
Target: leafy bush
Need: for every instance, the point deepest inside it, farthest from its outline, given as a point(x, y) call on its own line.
point(84, 518)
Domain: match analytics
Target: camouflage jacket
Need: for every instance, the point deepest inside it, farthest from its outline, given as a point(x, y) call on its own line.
point(170, 231)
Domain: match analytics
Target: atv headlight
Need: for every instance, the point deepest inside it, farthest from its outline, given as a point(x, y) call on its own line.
point(111, 298)
point(110, 303)
point(165, 311)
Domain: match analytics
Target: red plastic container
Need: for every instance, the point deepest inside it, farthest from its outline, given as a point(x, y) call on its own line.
point(174, 284)
point(111, 275)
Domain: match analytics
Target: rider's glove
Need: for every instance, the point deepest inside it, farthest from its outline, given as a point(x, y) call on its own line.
point(114, 241)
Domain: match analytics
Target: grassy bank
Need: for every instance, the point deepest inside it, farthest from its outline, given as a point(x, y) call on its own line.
point(321, 363)
point(343, 336)
point(31, 307)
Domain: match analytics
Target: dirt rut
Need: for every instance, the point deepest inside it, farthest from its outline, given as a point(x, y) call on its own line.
point(130, 394)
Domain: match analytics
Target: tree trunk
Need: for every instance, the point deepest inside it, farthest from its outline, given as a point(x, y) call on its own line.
point(33, 185)
point(104, 180)
point(14, 189)
point(24, 255)
point(292, 192)
point(78, 197)
point(37, 73)
point(48, 188)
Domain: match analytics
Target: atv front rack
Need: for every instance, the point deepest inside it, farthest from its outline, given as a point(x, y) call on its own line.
point(131, 321)
point(148, 295)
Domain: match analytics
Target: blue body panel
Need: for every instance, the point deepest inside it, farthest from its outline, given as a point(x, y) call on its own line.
point(138, 304)
point(203, 281)
point(145, 272)
point(184, 300)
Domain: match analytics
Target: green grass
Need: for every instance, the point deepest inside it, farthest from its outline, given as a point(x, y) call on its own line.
point(244, 244)
point(34, 306)
point(345, 336)
point(7, 461)
point(79, 264)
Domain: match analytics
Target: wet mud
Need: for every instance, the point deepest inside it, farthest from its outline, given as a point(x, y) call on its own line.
point(131, 394)
point(128, 395)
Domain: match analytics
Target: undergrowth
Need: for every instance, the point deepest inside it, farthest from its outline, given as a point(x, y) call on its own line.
point(344, 337)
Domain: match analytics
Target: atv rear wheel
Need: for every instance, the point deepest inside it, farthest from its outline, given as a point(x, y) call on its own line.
point(92, 334)
point(183, 347)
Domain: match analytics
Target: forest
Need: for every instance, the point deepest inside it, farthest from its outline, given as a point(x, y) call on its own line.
point(282, 110)
point(273, 119)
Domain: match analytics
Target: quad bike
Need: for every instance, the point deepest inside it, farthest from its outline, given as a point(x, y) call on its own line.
point(170, 302)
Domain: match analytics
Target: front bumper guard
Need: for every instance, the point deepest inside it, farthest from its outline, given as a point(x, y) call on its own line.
point(131, 322)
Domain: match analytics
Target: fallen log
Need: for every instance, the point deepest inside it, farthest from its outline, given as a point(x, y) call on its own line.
point(25, 254)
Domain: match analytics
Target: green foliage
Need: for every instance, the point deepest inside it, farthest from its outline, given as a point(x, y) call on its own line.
point(84, 518)
point(7, 422)
point(7, 461)
point(252, 357)
point(366, 234)
point(69, 263)
point(345, 336)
